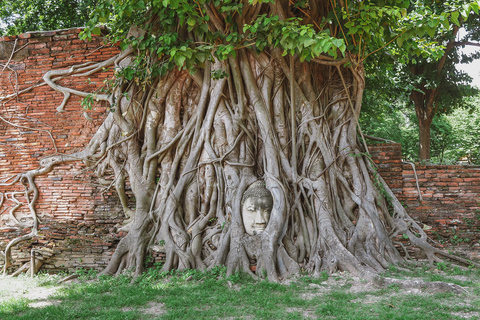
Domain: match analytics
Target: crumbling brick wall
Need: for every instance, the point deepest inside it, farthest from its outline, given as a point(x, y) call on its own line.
point(449, 206)
point(78, 219)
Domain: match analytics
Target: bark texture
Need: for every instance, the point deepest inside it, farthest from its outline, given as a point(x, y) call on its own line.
point(425, 110)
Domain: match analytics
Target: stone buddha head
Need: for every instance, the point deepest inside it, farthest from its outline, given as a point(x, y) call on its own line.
point(257, 204)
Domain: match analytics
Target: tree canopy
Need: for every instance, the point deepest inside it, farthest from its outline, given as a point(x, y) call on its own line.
point(361, 28)
point(20, 16)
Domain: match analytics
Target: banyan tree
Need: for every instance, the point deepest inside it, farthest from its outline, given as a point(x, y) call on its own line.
point(213, 102)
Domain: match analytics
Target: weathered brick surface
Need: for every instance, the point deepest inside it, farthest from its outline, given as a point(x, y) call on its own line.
point(388, 160)
point(77, 225)
point(450, 197)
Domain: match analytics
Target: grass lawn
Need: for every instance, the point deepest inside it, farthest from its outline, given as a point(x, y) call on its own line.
point(211, 295)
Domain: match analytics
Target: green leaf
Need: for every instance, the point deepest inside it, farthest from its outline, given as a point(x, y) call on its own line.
point(308, 42)
point(446, 23)
point(180, 60)
point(400, 41)
point(337, 42)
point(96, 31)
point(433, 23)
point(430, 31)
point(123, 46)
point(466, 11)
point(455, 15)
point(474, 7)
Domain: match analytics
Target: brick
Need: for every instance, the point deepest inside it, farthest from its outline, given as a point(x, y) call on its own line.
point(25, 35)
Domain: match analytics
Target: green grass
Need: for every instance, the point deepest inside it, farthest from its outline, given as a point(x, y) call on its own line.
point(211, 295)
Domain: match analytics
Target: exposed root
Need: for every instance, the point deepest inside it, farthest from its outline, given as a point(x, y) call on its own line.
point(27, 268)
point(33, 129)
point(432, 286)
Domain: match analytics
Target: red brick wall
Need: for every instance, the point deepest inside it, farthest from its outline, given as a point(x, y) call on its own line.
point(450, 197)
point(77, 225)
point(388, 159)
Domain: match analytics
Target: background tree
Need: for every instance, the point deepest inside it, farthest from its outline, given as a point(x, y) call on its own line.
point(465, 124)
point(20, 16)
point(211, 96)
point(432, 86)
point(399, 123)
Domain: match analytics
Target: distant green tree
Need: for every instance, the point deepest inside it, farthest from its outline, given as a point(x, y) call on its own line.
point(466, 127)
point(18, 16)
point(431, 87)
point(454, 137)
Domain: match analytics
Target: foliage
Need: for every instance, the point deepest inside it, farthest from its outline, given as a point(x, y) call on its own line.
point(465, 124)
point(39, 15)
point(365, 28)
point(454, 136)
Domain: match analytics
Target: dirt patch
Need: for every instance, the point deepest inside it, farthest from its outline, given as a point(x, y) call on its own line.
point(24, 287)
point(154, 308)
point(306, 313)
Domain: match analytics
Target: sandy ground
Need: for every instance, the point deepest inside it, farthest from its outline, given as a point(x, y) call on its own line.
point(28, 288)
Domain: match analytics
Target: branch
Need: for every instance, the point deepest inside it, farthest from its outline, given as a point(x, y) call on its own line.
point(16, 94)
point(327, 62)
point(449, 47)
point(416, 180)
point(378, 139)
point(13, 53)
point(67, 91)
point(292, 118)
point(28, 128)
point(466, 43)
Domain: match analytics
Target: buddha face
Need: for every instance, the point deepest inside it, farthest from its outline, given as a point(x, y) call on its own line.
point(256, 213)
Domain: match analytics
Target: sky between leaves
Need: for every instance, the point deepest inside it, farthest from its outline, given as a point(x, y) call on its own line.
point(473, 68)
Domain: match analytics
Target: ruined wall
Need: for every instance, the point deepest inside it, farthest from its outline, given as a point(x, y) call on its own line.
point(78, 219)
point(449, 206)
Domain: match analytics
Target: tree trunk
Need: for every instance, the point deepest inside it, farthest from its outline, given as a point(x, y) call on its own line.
point(424, 127)
point(424, 100)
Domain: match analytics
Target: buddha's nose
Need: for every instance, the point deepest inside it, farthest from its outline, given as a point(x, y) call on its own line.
point(259, 218)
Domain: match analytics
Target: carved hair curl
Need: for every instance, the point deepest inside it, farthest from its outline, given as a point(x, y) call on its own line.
point(257, 190)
